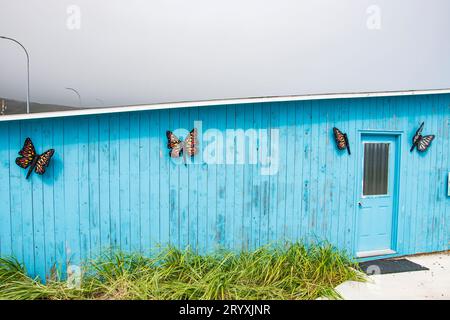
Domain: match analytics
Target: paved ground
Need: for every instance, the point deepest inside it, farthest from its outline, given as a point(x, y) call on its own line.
point(431, 284)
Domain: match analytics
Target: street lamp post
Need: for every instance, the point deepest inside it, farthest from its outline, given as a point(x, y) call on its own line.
point(28, 69)
point(77, 93)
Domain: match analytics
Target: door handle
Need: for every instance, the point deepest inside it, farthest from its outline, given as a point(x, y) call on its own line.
point(360, 204)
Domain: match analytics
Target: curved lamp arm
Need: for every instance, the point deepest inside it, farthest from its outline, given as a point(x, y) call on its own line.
point(28, 69)
point(77, 93)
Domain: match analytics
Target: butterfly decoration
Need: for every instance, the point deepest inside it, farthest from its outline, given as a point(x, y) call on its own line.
point(341, 140)
point(188, 147)
point(421, 142)
point(29, 158)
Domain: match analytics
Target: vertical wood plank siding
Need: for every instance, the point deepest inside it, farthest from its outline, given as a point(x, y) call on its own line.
point(112, 184)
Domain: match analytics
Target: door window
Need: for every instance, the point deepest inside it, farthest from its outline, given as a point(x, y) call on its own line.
point(376, 169)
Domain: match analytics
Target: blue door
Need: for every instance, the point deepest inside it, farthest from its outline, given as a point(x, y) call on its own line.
point(377, 195)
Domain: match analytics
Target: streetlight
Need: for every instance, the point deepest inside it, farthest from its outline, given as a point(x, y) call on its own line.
point(28, 69)
point(77, 93)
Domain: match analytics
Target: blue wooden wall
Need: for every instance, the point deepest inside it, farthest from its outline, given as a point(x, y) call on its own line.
point(111, 182)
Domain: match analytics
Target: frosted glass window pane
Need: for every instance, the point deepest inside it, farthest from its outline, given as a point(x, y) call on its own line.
point(376, 169)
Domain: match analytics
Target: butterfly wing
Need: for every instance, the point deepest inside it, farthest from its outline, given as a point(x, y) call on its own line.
point(419, 131)
point(341, 141)
point(191, 143)
point(43, 161)
point(417, 137)
point(416, 140)
point(27, 154)
point(174, 144)
point(347, 143)
point(424, 143)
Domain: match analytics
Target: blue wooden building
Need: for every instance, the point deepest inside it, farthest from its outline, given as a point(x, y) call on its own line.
point(111, 182)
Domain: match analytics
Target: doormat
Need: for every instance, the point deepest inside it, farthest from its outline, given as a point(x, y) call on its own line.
point(385, 266)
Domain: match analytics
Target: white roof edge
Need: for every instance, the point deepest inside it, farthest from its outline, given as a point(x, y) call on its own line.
point(187, 104)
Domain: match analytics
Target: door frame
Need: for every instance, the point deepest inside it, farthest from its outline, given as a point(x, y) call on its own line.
point(398, 135)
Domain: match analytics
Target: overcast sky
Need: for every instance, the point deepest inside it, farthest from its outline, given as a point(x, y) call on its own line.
point(122, 52)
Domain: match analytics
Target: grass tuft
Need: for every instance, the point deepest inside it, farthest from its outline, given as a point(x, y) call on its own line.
point(286, 272)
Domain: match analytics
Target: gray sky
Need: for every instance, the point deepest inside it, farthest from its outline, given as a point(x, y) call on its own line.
point(150, 51)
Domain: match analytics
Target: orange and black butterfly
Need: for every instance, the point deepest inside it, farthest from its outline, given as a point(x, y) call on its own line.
point(29, 158)
point(182, 148)
point(341, 140)
point(421, 142)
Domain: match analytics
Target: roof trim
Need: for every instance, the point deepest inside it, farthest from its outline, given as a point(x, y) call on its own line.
point(204, 103)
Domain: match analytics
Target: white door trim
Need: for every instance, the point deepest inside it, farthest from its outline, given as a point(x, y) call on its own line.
point(365, 254)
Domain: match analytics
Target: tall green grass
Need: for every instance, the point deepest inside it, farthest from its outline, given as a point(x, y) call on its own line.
point(288, 272)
